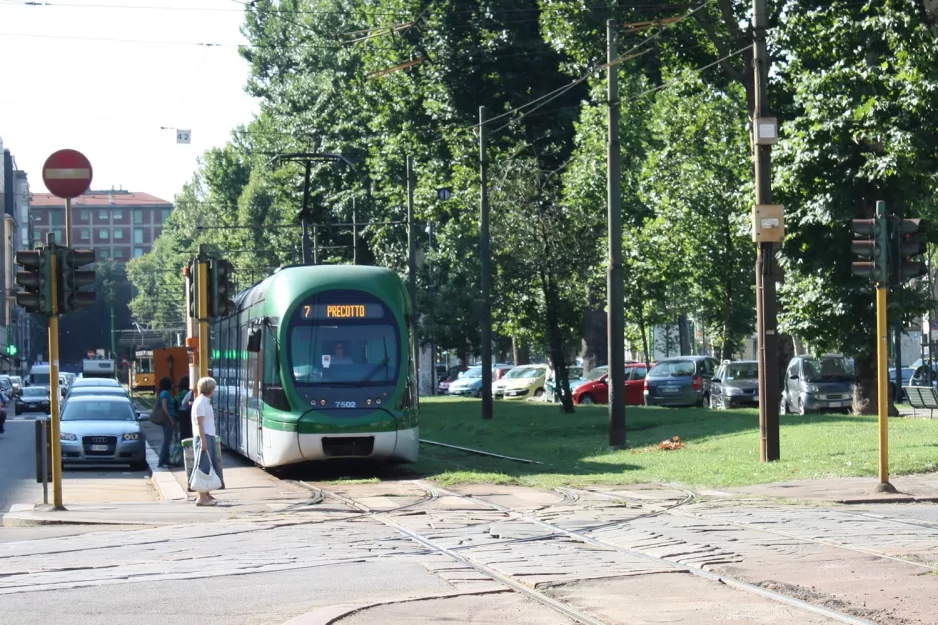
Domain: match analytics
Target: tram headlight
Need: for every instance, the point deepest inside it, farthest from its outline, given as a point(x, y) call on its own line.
point(368, 402)
point(378, 401)
point(322, 402)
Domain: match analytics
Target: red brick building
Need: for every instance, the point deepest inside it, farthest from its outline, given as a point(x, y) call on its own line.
point(118, 225)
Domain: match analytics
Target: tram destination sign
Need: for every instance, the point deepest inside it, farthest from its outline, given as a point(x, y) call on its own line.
point(342, 311)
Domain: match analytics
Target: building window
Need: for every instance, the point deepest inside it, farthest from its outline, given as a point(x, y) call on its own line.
point(118, 215)
point(103, 254)
point(165, 215)
point(138, 252)
point(60, 237)
point(58, 218)
point(118, 234)
point(104, 234)
point(138, 217)
point(102, 214)
point(37, 235)
point(118, 252)
point(84, 234)
point(138, 235)
point(84, 215)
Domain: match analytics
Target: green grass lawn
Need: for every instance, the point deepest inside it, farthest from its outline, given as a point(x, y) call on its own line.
point(722, 446)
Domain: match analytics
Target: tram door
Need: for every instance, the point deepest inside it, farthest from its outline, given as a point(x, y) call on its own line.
point(251, 399)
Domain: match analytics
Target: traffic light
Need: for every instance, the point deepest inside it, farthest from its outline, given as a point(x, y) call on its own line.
point(189, 275)
point(871, 241)
point(72, 279)
point(220, 288)
point(36, 280)
point(910, 242)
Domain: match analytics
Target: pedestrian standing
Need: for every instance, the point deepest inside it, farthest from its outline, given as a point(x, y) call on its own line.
point(203, 425)
point(184, 401)
point(168, 404)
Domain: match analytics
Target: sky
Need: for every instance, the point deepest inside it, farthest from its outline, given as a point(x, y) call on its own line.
point(80, 74)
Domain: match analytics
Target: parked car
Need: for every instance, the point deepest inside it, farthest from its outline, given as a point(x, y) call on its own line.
point(597, 391)
point(521, 382)
point(735, 385)
point(907, 375)
point(17, 384)
point(680, 381)
point(102, 430)
point(468, 383)
point(33, 399)
point(920, 375)
point(85, 382)
point(452, 374)
point(574, 377)
point(6, 385)
point(815, 384)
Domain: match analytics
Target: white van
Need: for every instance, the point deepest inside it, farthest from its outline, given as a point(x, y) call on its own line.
point(39, 375)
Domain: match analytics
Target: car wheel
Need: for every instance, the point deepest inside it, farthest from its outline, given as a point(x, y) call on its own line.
point(479, 394)
point(586, 400)
point(801, 409)
point(712, 403)
point(139, 466)
point(539, 392)
point(783, 408)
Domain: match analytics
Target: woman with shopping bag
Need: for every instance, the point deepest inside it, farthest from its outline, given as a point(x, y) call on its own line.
point(206, 474)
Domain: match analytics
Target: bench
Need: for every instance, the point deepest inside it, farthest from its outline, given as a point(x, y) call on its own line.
point(924, 397)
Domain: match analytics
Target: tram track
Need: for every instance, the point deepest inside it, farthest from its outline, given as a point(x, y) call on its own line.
point(582, 536)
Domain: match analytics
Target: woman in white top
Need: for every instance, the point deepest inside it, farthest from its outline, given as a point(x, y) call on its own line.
point(203, 426)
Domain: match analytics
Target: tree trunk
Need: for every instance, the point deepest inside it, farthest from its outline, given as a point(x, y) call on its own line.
point(521, 353)
point(865, 398)
point(684, 334)
point(643, 328)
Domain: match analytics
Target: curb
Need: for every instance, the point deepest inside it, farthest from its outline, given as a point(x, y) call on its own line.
point(854, 501)
point(162, 479)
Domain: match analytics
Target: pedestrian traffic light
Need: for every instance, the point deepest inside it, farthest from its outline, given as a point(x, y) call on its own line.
point(910, 243)
point(220, 288)
point(871, 242)
point(72, 279)
point(36, 280)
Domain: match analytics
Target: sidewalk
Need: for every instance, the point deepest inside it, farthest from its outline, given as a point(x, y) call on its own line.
point(247, 486)
point(849, 490)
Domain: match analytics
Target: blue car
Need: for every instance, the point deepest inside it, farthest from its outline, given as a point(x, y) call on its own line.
point(680, 381)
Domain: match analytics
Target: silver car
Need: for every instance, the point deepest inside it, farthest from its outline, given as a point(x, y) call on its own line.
point(102, 430)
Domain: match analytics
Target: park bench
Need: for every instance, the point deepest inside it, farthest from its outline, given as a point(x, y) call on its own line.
point(924, 397)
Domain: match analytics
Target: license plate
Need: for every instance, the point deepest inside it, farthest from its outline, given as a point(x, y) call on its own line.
point(99, 448)
point(670, 389)
point(32, 405)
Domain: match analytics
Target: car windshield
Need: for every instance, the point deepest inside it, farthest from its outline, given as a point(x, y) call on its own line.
point(525, 372)
point(99, 411)
point(35, 391)
point(673, 368)
point(827, 370)
point(742, 371)
point(598, 372)
point(40, 379)
point(472, 372)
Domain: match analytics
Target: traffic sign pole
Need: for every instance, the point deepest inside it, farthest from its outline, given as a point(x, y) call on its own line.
point(882, 393)
point(54, 386)
point(68, 222)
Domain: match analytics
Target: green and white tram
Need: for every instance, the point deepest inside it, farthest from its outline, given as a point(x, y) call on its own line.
point(315, 364)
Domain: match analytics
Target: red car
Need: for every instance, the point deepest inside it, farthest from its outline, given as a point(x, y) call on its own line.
point(597, 391)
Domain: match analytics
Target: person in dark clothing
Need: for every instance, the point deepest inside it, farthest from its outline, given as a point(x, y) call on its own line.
point(184, 410)
point(168, 402)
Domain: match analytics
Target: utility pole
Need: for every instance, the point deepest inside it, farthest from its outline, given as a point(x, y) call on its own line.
point(882, 355)
point(412, 268)
point(354, 233)
point(765, 133)
point(113, 341)
point(486, 270)
point(54, 397)
point(615, 288)
point(307, 257)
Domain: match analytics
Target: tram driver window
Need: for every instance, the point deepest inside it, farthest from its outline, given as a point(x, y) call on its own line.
point(323, 354)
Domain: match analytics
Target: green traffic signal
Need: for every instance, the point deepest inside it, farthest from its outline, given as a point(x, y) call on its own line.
point(36, 280)
point(220, 288)
point(72, 279)
point(873, 246)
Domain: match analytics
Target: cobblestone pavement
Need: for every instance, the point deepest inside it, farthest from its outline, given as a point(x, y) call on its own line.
point(539, 551)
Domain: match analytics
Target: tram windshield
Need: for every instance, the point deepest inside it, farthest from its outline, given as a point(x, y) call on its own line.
point(362, 349)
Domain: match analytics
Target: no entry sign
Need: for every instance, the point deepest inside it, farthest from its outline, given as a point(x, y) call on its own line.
point(67, 174)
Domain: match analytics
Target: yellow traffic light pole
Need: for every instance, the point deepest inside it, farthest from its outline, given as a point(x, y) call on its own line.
point(201, 285)
point(54, 386)
point(882, 390)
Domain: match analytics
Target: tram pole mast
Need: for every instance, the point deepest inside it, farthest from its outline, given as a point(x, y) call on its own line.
point(412, 267)
point(486, 390)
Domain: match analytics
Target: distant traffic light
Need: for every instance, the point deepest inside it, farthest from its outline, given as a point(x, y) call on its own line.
point(871, 242)
point(910, 243)
point(72, 279)
point(220, 288)
point(190, 274)
point(36, 280)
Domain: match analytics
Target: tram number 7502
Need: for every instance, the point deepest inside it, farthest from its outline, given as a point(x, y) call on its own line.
point(345, 404)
